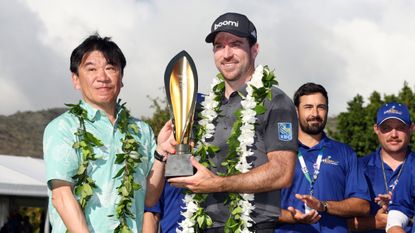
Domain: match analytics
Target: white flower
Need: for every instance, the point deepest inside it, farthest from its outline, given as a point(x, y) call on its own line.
point(245, 230)
point(246, 140)
point(210, 127)
point(215, 82)
point(190, 208)
point(248, 104)
point(248, 196)
point(256, 80)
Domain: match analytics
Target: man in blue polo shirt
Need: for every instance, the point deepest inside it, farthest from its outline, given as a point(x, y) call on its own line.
point(402, 206)
point(383, 168)
point(328, 186)
point(167, 211)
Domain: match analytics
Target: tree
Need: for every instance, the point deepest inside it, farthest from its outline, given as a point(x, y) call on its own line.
point(160, 116)
point(352, 127)
point(355, 127)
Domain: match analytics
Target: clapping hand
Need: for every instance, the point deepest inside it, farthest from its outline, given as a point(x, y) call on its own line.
point(383, 199)
point(309, 218)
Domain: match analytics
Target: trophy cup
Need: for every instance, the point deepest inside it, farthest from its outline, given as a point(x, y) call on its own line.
point(180, 82)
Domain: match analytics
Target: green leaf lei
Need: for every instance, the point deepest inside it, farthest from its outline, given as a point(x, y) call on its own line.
point(203, 152)
point(234, 223)
point(130, 157)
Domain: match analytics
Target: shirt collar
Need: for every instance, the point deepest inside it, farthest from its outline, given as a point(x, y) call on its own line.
point(376, 160)
point(93, 113)
point(324, 142)
point(241, 91)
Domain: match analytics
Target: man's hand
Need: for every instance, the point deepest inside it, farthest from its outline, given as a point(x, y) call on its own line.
point(150, 222)
point(308, 218)
point(310, 201)
point(383, 199)
point(381, 217)
point(204, 181)
point(165, 140)
point(274, 174)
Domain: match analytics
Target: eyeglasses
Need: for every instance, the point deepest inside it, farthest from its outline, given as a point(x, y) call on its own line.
point(385, 128)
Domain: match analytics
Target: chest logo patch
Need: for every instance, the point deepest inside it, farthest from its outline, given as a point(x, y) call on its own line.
point(328, 160)
point(285, 131)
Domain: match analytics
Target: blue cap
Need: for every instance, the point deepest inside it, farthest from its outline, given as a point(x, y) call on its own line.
point(393, 111)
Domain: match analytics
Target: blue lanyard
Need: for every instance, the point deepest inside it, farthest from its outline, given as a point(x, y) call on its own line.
point(316, 167)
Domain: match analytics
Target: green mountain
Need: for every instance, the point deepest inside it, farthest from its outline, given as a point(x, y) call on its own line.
point(21, 133)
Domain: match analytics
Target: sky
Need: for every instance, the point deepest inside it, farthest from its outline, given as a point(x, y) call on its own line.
point(349, 46)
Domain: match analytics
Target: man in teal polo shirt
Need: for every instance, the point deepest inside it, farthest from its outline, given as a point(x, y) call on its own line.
point(99, 159)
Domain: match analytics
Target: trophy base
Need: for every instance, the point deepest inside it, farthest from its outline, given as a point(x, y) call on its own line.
point(178, 165)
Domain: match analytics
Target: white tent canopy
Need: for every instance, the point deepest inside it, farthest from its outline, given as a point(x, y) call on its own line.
point(22, 182)
point(22, 176)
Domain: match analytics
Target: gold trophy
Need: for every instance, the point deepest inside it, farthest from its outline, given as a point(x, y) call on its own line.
point(180, 82)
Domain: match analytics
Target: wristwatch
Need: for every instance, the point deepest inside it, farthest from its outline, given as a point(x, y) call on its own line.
point(158, 156)
point(325, 205)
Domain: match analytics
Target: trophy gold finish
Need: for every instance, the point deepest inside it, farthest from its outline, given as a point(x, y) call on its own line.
point(180, 82)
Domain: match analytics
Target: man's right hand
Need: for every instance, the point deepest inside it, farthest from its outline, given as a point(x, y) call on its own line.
point(383, 199)
point(308, 218)
point(165, 140)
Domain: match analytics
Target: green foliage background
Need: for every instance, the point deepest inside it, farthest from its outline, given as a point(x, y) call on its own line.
point(160, 116)
point(355, 126)
point(21, 133)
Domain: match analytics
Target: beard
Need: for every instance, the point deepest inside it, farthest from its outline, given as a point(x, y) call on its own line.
point(313, 128)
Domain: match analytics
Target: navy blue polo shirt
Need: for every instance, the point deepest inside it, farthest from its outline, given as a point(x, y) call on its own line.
point(340, 178)
point(169, 207)
point(372, 168)
point(403, 198)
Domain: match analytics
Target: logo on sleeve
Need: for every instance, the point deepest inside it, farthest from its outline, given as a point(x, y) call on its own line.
point(285, 131)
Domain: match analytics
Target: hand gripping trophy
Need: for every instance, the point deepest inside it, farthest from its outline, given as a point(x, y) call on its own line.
point(180, 82)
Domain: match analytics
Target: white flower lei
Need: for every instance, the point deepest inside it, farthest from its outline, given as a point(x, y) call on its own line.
point(246, 139)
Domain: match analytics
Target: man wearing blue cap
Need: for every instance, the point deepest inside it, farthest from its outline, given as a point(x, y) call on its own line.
point(385, 167)
point(402, 206)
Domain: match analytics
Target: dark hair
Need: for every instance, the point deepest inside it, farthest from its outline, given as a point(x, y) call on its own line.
point(108, 48)
point(308, 89)
point(251, 41)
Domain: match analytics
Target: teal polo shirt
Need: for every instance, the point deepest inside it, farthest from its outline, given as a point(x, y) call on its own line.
point(62, 162)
